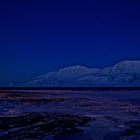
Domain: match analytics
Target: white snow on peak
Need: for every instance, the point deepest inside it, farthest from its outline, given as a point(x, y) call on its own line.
point(127, 67)
point(125, 73)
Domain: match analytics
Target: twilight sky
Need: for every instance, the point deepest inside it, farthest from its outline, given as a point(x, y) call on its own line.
point(37, 36)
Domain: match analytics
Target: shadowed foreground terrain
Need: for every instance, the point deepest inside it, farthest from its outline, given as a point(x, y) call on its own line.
point(69, 115)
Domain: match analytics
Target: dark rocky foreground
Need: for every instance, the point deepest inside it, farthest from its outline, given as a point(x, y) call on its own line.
point(37, 125)
point(70, 115)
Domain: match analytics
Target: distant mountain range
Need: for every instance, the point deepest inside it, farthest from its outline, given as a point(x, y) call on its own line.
point(125, 73)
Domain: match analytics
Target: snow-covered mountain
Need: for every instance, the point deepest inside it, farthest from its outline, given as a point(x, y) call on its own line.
point(125, 73)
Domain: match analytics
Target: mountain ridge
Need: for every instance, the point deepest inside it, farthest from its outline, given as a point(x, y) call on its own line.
point(125, 73)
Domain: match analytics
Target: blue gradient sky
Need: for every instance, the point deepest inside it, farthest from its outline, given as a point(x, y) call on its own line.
point(38, 36)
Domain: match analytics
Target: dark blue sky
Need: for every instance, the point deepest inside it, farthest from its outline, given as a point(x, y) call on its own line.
point(38, 36)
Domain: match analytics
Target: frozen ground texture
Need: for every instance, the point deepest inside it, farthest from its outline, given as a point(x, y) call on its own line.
point(125, 73)
point(70, 115)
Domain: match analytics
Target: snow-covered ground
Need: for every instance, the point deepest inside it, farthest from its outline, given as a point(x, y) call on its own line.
point(112, 115)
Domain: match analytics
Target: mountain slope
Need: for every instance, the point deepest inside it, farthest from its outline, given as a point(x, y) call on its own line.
point(125, 73)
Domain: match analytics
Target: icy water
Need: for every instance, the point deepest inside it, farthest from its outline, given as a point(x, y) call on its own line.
point(69, 115)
